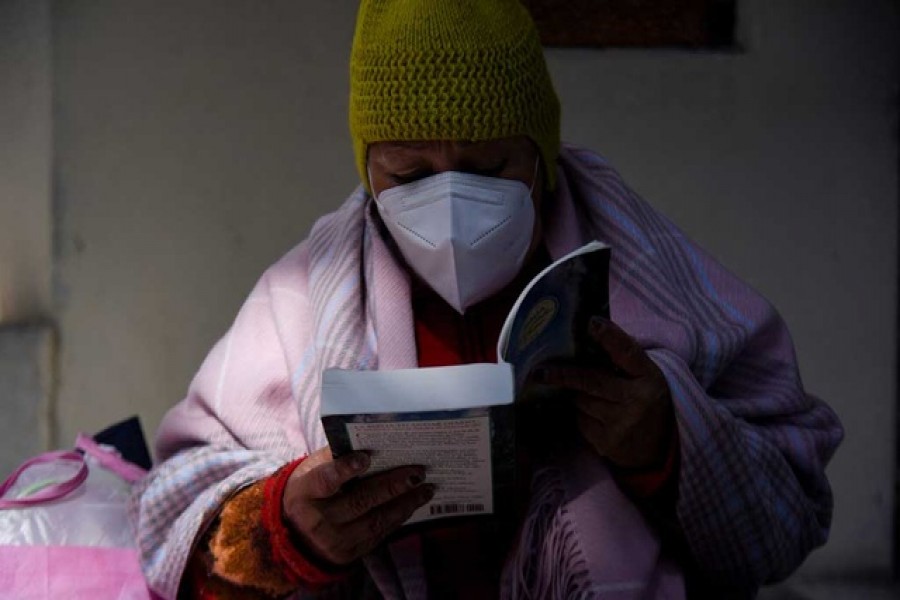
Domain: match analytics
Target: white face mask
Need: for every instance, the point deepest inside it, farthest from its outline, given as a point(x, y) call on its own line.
point(465, 235)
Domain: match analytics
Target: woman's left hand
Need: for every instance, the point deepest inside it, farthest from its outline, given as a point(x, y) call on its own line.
point(623, 409)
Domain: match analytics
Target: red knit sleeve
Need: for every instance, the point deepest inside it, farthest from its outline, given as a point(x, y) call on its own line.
point(297, 566)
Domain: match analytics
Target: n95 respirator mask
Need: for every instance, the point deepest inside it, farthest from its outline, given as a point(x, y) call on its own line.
point(465, 235)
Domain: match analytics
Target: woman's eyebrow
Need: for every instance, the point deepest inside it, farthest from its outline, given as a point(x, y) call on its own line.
point(401, 149)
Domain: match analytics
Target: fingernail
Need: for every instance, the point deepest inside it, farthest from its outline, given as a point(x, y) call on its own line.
point(359, 462)
point(427, 492)
point(415, 480)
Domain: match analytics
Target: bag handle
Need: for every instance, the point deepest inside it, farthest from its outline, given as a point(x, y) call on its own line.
point(52, 491)
point(55, 490)
point(128, 471)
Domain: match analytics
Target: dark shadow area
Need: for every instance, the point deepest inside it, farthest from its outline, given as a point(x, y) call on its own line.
point(694, 24)
point(896, 533)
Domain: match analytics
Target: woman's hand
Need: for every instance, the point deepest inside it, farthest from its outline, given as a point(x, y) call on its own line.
point(341, 525)
point(623, 408)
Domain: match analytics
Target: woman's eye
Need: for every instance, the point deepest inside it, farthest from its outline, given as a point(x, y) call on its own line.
point(491, 171)
point(403, 178)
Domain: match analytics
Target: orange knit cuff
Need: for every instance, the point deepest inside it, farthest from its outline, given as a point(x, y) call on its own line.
point(240, 557)
point(297, 567)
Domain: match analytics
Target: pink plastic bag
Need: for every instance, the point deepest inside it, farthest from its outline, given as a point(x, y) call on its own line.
point(71, 573)
point(63, 528)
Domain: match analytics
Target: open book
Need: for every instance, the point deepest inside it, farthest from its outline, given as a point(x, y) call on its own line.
point(458, 421)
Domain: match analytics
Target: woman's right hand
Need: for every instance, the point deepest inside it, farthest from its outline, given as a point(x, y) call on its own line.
point(339, 526)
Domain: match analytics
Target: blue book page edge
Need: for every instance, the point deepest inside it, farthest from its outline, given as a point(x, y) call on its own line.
point(539, 324)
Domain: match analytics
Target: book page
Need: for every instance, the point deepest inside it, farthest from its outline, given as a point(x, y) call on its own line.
point(456, 452)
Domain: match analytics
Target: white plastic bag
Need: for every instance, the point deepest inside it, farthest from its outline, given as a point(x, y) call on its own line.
point(93, 514)
point(64, 531)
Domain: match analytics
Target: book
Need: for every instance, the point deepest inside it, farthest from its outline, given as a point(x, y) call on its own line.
point(458, 421)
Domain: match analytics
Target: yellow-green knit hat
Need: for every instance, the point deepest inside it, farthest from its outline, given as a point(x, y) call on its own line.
point(450, 70)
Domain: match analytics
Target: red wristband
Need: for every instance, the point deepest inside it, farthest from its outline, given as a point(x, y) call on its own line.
point(298, 568)
point(646, 483)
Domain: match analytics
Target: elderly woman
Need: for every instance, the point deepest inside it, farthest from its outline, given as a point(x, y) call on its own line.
point(698, 460)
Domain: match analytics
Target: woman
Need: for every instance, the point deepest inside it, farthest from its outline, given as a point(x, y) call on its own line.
point(697, 443)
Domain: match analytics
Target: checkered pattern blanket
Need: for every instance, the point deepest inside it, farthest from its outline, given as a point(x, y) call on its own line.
point(752, 498)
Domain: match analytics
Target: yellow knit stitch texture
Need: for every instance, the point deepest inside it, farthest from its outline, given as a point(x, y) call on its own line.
point(450, 70)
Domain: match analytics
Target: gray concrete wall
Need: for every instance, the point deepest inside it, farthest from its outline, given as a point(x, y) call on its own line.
point(196, 141)
point(26, 153)
point(26, 388)
point(25, 159)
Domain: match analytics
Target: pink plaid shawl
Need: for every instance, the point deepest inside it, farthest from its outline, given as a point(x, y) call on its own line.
point(753, 444)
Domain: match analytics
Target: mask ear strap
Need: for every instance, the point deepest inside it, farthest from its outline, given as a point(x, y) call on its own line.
point(371, 184)
point(369, 175)
point(537, 163)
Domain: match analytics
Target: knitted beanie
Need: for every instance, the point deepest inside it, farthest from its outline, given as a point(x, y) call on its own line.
point(468, 70)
